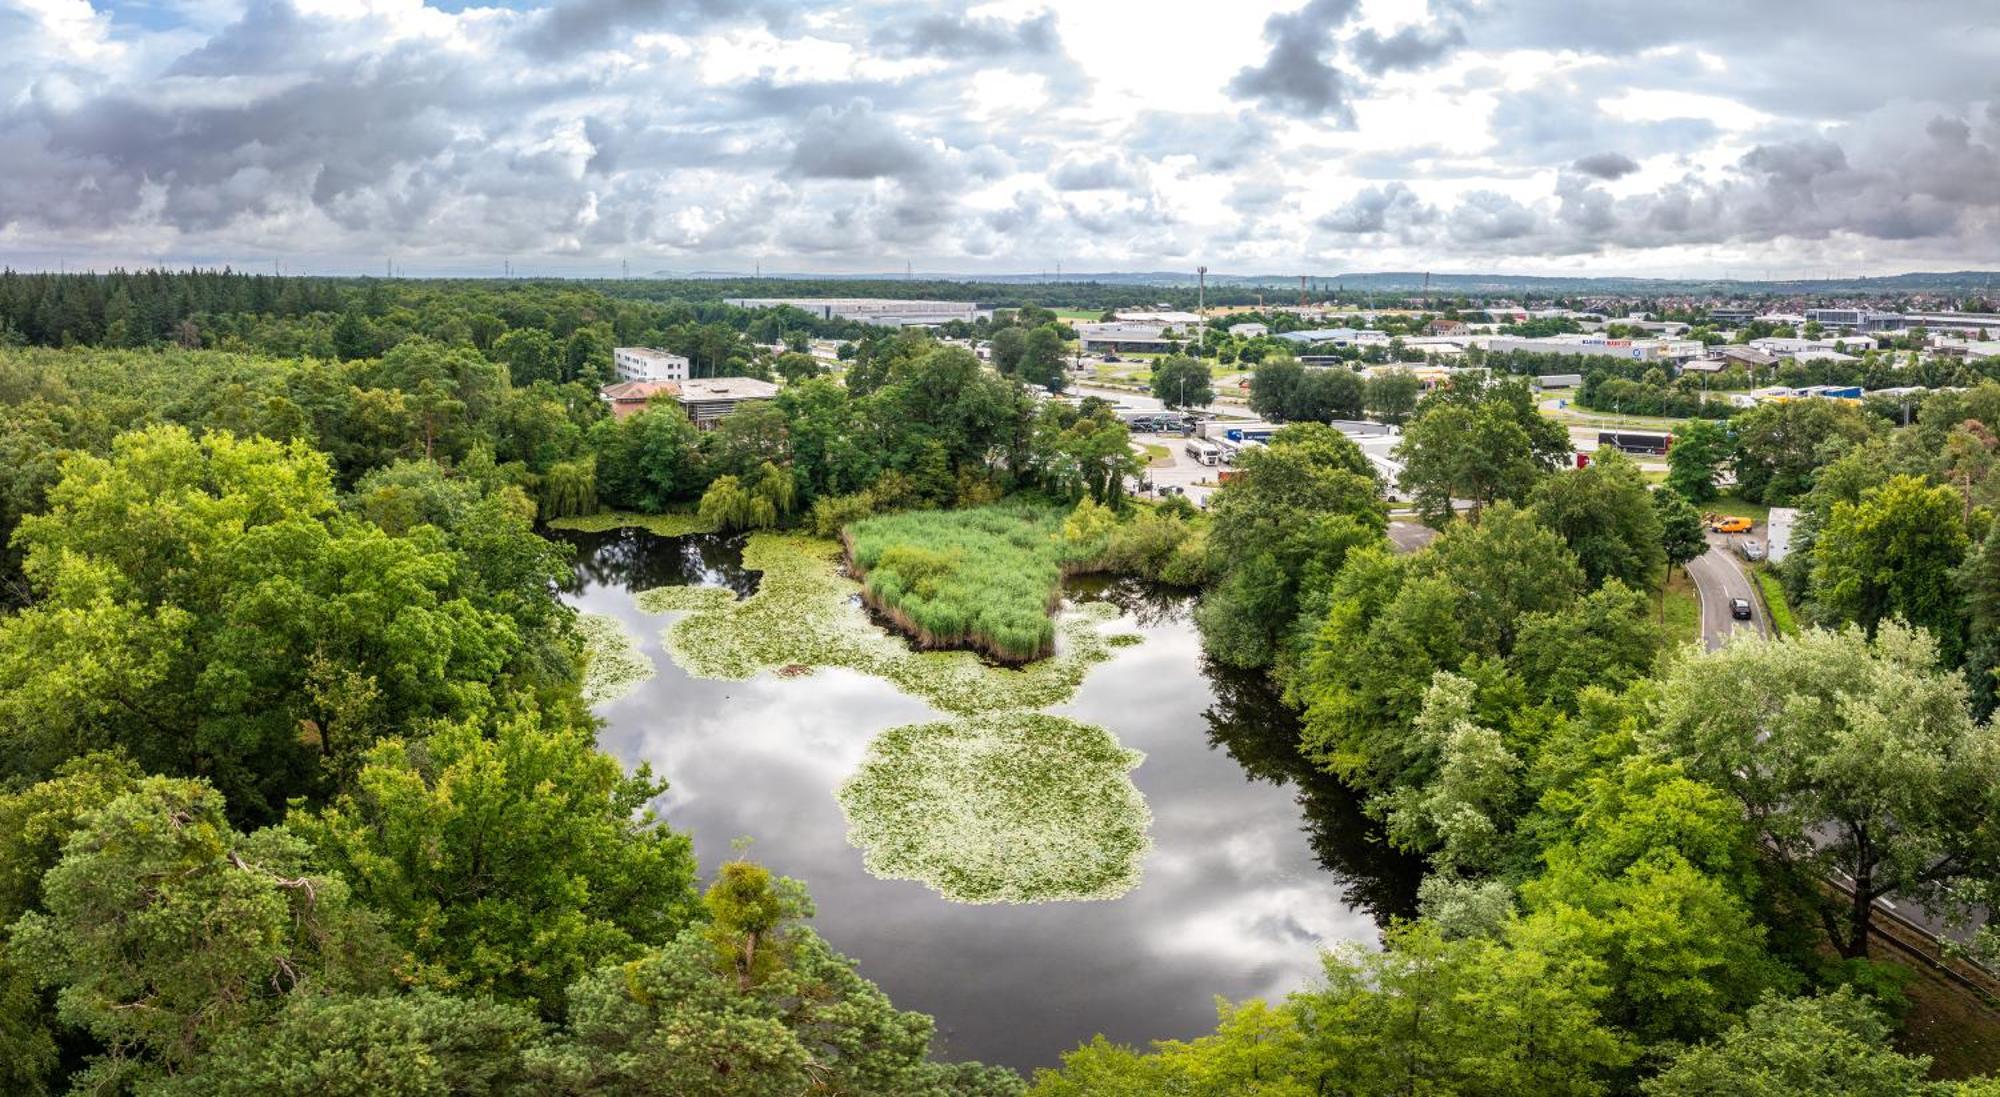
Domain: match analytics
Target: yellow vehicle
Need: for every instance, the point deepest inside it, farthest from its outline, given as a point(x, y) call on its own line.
point(1725, 524)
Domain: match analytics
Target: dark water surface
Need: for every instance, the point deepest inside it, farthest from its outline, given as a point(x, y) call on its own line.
point(1256, 863)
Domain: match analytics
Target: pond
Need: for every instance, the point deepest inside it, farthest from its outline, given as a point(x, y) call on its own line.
point(1257, 861)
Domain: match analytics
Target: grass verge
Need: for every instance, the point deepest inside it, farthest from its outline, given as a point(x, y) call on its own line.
point(1017, 807)
point(1680, 617)
point(1783, 622)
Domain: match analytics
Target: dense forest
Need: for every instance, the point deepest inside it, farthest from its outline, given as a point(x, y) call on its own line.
point(302, 792)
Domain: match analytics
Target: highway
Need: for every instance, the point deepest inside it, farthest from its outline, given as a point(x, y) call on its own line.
point(1718, 578)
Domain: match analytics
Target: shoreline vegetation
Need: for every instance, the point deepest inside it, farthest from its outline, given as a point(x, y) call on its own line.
point(985, 578)
point(672, 524)
point(805, 613)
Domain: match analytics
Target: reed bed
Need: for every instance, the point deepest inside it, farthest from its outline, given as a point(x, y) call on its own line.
point(1015, 807)
point(985, 578)
point(805, 613)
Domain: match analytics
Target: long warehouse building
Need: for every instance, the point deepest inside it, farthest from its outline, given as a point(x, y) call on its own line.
point(872, 310)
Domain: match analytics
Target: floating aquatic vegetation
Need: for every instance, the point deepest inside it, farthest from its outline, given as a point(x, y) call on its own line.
point(806, 614)
point(664, 525)
point(1013, 807)
point(614, 666)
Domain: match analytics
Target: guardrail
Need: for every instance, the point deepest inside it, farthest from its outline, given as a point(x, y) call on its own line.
point(1922, 944)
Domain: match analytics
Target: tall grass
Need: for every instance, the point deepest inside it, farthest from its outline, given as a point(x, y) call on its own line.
point(986, 578)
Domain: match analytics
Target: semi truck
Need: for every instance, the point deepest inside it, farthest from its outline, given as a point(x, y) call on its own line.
point(1652, 443)
point(1204, 451)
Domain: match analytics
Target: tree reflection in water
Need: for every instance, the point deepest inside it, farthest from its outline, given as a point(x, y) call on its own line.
point(635, 560)
point(1251, 722)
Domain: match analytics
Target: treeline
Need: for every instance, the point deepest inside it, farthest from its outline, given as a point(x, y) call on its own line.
point(301, 795)
point(1628, 844)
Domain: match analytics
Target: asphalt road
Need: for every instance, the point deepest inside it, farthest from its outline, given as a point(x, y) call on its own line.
point(1718, 578)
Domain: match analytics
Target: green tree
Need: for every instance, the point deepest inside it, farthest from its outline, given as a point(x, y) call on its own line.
point(754, 1003)
point(1272, 384)
point(1461, 816)
point(1895, 553)
point(1295, 510)
point(1010, 346)
point(209, 608)
point(1694, 462)
point(796, 366)
point(508, 859)
point(166, 928)
point(1391, 395)
point(1836, 1043)
point(1182, 382)
point(529, 355)
point(1481, 445)
point(1856, 759)
point(421, 1044)
point(1042, 358)
point(1604, 512)
point(1681, 535)
point(1781, 445)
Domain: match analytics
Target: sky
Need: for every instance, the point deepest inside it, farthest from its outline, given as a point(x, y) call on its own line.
point(1701, 138)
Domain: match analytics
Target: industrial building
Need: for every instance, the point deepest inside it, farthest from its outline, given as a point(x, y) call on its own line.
point(1123, 335)
point(1962, 322)
point(872, 310)
point(1597, 346)
point(1339, 337)
point(1855, 319)
point(647, 364)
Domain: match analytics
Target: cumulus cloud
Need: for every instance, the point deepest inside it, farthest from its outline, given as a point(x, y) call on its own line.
point(854, 142)
point(1412, 47)
point(966, 37)
point(1296, 77)
point(843, 131)
point(1605, 165)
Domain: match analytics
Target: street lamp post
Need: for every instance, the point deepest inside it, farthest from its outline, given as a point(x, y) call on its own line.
point(1201, 310)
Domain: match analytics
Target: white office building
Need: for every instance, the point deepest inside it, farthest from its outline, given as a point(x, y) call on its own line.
point(647, 364)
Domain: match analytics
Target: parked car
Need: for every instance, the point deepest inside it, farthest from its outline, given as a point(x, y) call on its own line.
point(1739, 608)
point(1751, 549)
point(1726, 524)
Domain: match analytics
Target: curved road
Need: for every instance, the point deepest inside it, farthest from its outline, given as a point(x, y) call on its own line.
point(1718, 578)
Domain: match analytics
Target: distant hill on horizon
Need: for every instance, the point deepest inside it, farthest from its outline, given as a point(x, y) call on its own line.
point(1407, 281)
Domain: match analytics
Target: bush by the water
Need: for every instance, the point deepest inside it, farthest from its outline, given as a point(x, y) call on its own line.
point(985, 577)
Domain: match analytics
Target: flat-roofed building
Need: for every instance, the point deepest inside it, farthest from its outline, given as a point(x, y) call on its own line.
point(648, 364)
point(872, 310)
point(1962, 322)
point(709, 399)
point(1125, 335)
point(1857, 319)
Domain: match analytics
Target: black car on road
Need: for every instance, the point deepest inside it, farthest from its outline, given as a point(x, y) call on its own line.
point(1739, 608)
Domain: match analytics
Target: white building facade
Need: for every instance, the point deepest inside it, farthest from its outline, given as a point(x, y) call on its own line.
point(647, 364)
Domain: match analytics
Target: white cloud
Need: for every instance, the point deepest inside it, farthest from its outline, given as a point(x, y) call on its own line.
point(857, 135)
